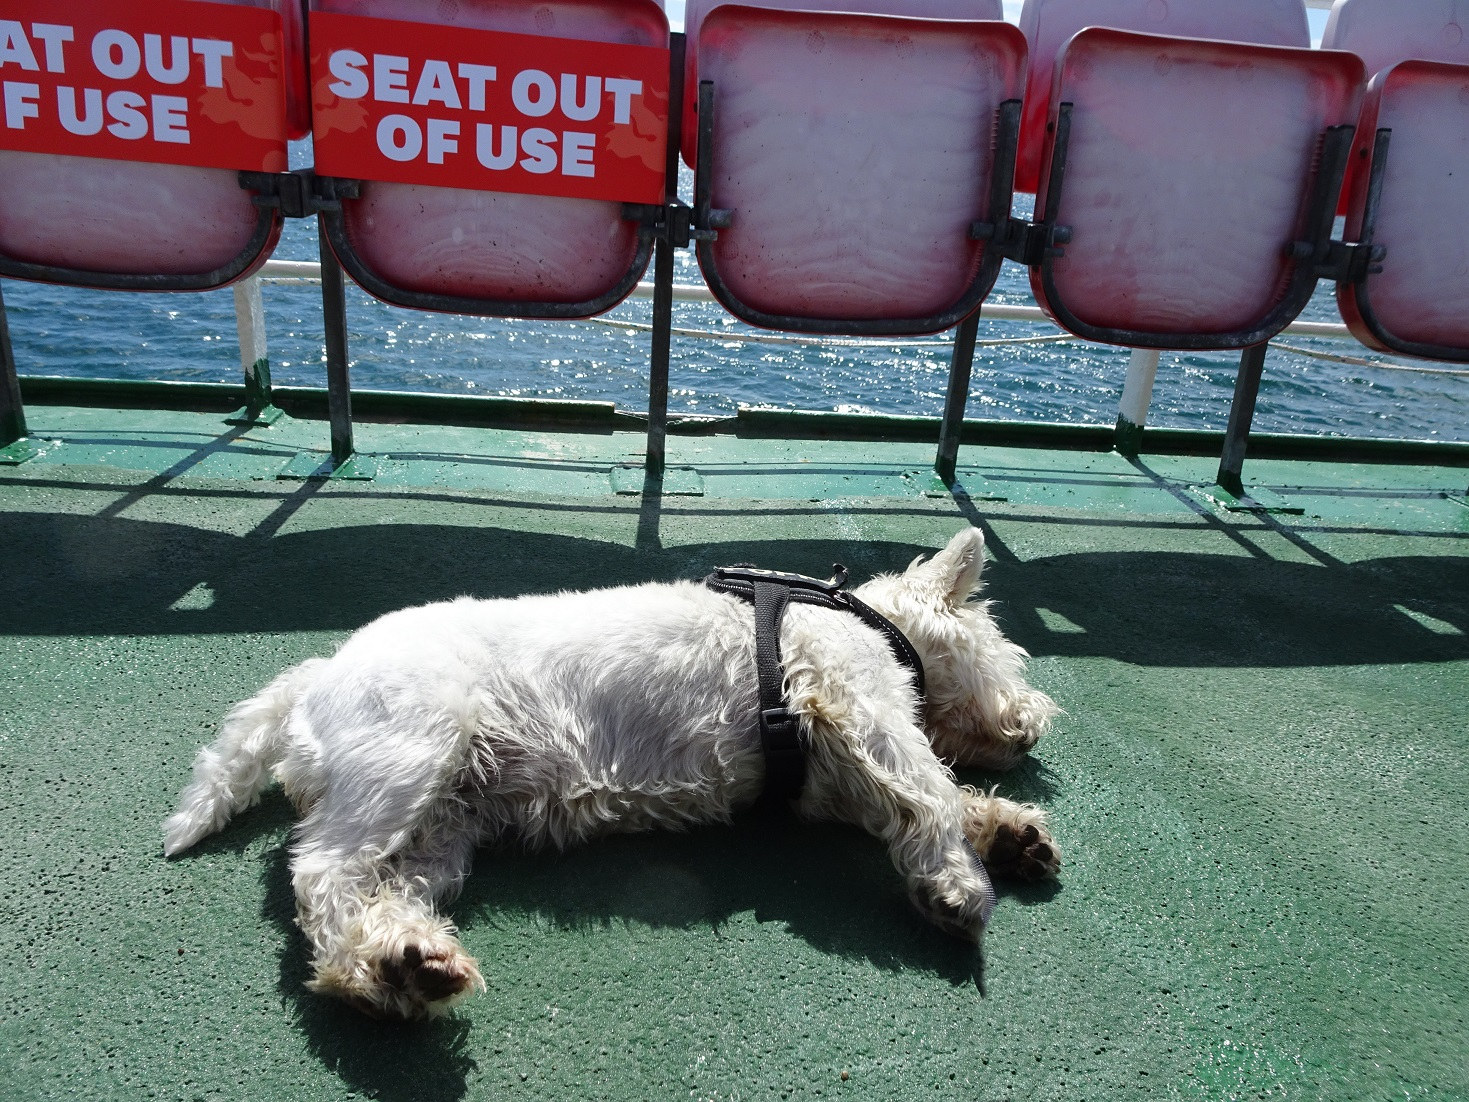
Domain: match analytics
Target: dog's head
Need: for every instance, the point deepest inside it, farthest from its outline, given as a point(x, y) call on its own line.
point(980, 710)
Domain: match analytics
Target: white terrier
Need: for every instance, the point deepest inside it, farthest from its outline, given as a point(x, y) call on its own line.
point(556, 718)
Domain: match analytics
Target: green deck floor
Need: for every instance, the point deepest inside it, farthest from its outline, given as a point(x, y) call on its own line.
point(1260, 785)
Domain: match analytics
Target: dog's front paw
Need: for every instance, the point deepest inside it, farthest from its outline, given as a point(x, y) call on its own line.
point(1023, 852)
point(953, 901)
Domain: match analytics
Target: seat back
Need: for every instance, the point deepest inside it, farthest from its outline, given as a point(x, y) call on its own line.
point(127, 124)
point(1049, 24)
point(1416, 299)
point(515, 240)
point(855, 152)
point(695, 10)
point(1191, 169)
point(1384, 32)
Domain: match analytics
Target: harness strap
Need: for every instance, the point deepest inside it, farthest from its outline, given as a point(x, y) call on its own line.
point(770, 591)
point(780, 733)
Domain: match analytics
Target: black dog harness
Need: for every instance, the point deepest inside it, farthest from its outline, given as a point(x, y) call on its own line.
point(780, 734)
point(770, 592)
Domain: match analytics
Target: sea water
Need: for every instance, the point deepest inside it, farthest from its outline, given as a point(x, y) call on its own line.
point(1024, 377)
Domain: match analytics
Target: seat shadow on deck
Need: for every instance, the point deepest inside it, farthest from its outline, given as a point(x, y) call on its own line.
point(1192, 609)
point(106, 574)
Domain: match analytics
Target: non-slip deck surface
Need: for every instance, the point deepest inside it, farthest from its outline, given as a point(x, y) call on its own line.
point(1259, 786)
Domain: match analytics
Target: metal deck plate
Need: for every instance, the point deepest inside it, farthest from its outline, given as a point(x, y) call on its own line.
point(629, 479)
point(315, 467)
point(1256, 499)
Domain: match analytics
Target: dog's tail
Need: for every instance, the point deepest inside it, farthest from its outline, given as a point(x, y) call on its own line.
point(229, 774)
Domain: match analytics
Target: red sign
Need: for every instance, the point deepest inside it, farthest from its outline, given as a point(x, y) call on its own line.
point(169, 81)
point(417, 103)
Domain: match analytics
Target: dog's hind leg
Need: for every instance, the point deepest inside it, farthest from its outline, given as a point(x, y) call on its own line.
point(1011, 838)
point(377, 940)
point(387, 834)
point(229, 773)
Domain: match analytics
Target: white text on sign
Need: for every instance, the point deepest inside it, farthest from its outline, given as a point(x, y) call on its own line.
point(114, 55)
point(534, 94)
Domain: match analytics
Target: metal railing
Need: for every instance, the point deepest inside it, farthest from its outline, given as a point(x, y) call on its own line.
point(1133, 403)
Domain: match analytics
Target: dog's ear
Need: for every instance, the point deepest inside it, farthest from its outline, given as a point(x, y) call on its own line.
point(953, 574)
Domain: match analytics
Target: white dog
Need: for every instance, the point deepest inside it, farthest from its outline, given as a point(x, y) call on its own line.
point(556, 718)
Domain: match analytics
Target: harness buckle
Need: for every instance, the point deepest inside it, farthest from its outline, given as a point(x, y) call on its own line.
point(780, 723)
point(745, 574)
point(785, 755)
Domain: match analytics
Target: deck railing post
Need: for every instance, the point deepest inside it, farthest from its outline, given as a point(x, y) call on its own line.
point(1241, 414)
point(1137, 395)
point(259, 409)
point(12, 412)
point(655, 451)
point(961, 365)
point(338, 382)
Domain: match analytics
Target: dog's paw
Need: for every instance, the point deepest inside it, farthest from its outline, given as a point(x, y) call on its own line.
point(424, 981)
point(1023, 852)
point(419, 981)
point(1011, 838)
point(947, 914)
point(955, 899)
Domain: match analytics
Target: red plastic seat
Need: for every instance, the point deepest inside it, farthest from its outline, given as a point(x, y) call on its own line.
point(1049, 24)
point(128, 225)
point(1384, 32)
point(696, 10)
point(497, 253)
point(1416, 299)
point(97, 222)
point(854, 153)
point(1191, 170)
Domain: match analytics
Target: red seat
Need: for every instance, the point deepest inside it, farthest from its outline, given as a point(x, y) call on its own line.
point(100, 221)
point(1049, 24)
point(1416, 299)
point(696, 10)
point(1194, 191)
point(81, 221)
point(854, 154)
point(489, 252)
point(1384, 32)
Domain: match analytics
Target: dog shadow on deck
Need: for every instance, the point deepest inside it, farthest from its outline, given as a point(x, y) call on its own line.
point(829, 885)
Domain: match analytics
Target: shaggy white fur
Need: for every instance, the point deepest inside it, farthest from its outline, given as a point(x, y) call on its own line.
point(555, 718)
